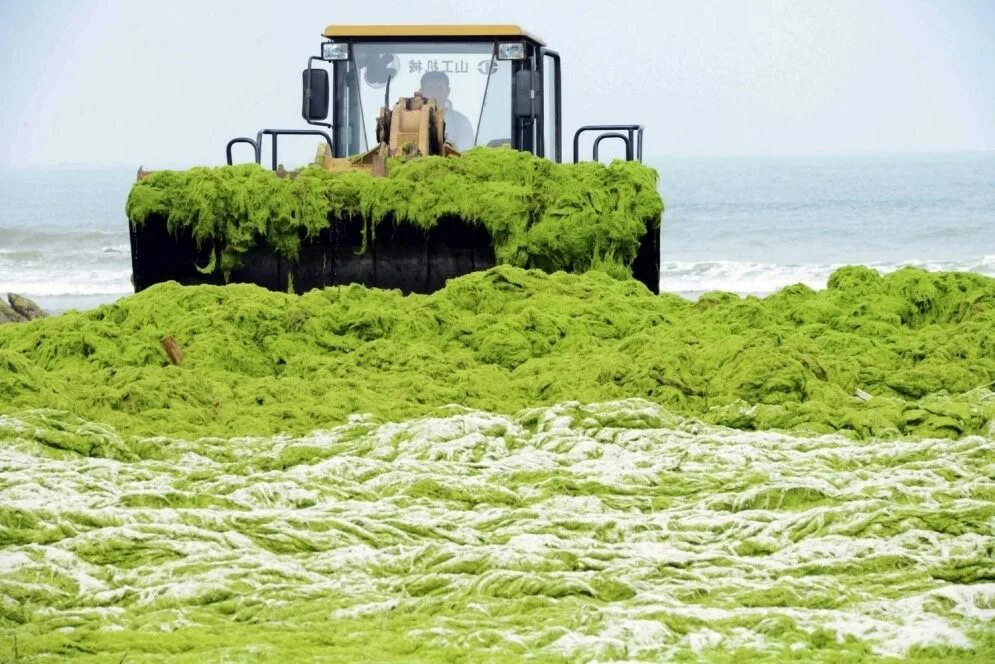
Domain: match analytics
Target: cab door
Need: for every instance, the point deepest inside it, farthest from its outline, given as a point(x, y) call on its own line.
point(552, 128)
point(536, 105)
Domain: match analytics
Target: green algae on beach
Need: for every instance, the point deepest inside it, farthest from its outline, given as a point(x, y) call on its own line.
point(521, 465)
point(910, 353)
point(575, 533)
point(540, 214)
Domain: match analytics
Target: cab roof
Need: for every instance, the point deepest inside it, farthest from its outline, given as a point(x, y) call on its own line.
point(440, 31)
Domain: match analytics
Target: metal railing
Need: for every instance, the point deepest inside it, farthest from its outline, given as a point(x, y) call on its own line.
point(235, 141)
point(630, 135)
point(257, 145)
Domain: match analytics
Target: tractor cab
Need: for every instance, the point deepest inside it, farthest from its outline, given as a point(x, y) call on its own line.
point(495, 84)
point(487, 85)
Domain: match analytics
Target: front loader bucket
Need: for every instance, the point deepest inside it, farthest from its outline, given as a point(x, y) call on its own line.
point(424, 221)
point(397, 256)
point(646, 267)
point(158, 255)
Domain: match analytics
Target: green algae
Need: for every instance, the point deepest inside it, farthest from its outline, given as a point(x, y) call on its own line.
point(611, 532)
point(258, 363)
point(508, 509)
point(540, 214)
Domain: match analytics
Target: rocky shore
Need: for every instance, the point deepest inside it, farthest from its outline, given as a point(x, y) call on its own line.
point(19, 309)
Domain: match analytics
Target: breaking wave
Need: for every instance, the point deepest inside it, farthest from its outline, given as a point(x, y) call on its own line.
point(762, 278)
point(107, 271)
point(68, 283)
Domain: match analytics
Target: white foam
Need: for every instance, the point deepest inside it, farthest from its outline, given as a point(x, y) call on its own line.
point(110, 282)
point(760, 278)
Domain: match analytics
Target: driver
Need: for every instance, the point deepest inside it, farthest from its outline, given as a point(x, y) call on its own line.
point(459, 131)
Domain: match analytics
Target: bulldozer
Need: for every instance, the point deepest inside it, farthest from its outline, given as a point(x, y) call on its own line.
point(462, 86)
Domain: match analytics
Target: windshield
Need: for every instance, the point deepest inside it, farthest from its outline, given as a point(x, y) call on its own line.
point(469, 83)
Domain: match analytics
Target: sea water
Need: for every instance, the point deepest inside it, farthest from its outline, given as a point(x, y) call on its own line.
point(755, 225)
point(743, 224)
point(64, 236)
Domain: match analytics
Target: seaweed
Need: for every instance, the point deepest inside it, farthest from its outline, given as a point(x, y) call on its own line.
point(540, 214)
point(911, 353)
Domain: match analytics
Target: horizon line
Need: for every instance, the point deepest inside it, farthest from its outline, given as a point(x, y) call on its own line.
point(109, 166)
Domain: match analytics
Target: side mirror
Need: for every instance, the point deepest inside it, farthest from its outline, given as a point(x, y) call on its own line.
point(525, 91)
point(315, 106)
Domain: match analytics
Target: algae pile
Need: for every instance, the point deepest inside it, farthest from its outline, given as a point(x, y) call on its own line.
point(540, 214)
point(603, 532)
point(919, 347)
point(520, 466)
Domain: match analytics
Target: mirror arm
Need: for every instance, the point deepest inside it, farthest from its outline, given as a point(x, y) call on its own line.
point(307, 96)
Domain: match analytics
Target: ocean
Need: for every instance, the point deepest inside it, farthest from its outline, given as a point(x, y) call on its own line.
point(741, 224)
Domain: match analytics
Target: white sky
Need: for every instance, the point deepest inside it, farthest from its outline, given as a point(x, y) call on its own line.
point(167, 84)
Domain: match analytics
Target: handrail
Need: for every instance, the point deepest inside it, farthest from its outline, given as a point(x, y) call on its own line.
point(240, 139)
point(613, 134)
point(633, 134)
point(286, 132)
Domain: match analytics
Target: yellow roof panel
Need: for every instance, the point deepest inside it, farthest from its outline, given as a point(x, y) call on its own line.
point(441, 30)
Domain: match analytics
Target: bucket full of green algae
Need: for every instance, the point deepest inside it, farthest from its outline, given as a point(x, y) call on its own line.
point(520, 466)
point(430, 219)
